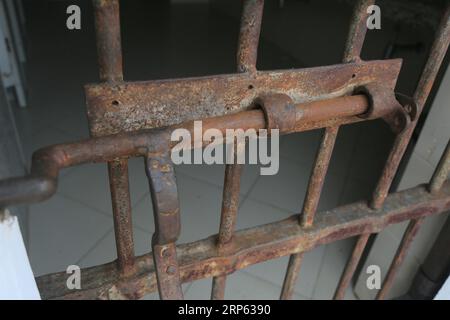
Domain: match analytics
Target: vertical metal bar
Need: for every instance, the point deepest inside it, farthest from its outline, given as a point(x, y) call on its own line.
point(318, 176)
point(357, 32)
point(251, 18)
point(292, 272)
point(442, 171)
point(123, 228)
point(437, 53)
point(218, 288)
point(408, 238)
point(107, 27)
point(351, 266)
point(354, 44)
point(230, 205)
point(246, 62)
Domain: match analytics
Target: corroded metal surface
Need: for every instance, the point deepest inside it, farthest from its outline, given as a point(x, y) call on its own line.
point(131, 106)
point(352, 52)
point(123, 227)
point(109, 50)
point(357, 31)
point(400, 255)
point(249, 35)
point(48, 161)
point(437, 53)
point(201, 259)
point(351, 266)
point(278, 110)
point(166, 211)
point(136, 119)
point(318, 176)
point(290, 278)
point(246, 57)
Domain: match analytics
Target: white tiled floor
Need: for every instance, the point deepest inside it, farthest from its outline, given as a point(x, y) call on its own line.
point(75, 226)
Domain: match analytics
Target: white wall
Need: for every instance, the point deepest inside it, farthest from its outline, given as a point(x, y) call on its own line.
point(16, 278)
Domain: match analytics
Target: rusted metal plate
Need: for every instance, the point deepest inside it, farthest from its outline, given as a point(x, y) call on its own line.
point(47, 162)
point(129, 106)
point(201, 259)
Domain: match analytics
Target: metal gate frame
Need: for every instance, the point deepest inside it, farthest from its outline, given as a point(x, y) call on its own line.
point(135, 119)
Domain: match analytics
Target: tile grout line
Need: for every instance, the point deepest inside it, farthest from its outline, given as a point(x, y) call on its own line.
point(95, 245)
point(103, 213)
point(322, 262)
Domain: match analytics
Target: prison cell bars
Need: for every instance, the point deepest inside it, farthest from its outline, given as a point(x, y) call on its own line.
point(46, 164)
point(437, 53)
point(352, 53)
point(430, 71)
point(107, 27)
point(435, 58)
point(110, 66)
point(247, 53)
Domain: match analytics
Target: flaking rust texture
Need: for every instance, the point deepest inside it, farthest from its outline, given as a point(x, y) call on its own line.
point(201, 259)
point(131, 106)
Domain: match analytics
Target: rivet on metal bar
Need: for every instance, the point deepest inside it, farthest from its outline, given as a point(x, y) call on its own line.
point(166, 212)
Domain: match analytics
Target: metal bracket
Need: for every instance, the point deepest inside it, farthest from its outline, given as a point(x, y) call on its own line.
point(384, 104)
point(279, 111)
point(409, 105)
point(166, 212)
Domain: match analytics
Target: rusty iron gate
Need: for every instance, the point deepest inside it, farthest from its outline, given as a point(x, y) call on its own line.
point(135, 119)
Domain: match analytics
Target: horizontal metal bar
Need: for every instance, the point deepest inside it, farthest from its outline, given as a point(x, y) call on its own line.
point(201, 259)
point(247, 54)
point(47, 162)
